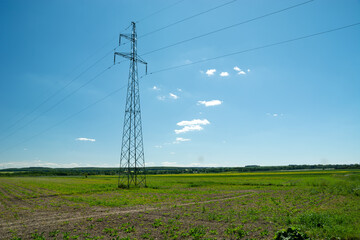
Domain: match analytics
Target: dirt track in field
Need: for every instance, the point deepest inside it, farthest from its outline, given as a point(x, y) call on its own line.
point(49, 218)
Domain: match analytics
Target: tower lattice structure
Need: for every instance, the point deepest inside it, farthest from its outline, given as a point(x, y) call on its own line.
point(132, 161)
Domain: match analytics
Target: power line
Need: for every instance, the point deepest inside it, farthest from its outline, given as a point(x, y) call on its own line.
point(257, 48)
point(187, 18)
point(159, 11)
point(58, 102)
point(57, 92)
point(228, 27)
point(65, 119)
point(68, 84)
point(74, 79)
point(79, 75)
point(179, 21)
point(179, 66)
point(170, 68)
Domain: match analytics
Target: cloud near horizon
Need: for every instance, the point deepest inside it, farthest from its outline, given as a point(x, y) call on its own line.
point(85, 139)
point(194, 164)
point(180, 139)
point(39, 163)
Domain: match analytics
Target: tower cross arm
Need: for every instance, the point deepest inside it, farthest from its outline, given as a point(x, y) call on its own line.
point(139, 59)
point(127, 36)
point(129, 56)
point(125, 55)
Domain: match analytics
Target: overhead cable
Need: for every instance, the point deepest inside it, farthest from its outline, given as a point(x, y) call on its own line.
point(159, 11)
point(258, 48)
point(184, 65)
point(228, 27)
point(65, 119)
point(187, 18)
point(58, 102)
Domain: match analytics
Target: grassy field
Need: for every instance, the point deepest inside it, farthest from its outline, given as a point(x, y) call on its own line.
point(321, 204)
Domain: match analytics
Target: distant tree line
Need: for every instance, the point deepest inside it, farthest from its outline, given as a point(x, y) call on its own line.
point(41, 171)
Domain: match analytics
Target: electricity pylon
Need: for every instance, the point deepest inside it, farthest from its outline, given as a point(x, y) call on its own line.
point(132, 161)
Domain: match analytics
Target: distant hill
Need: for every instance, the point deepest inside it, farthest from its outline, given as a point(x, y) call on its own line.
point(45, 171)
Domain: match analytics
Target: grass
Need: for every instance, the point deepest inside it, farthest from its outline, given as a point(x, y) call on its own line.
point(322, 204)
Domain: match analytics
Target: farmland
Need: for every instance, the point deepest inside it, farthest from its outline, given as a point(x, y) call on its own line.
point(321, 204)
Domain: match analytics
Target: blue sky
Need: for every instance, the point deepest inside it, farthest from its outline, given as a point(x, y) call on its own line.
point(294, 103)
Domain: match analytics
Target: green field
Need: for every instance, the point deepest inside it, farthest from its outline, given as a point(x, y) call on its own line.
point(321, 204)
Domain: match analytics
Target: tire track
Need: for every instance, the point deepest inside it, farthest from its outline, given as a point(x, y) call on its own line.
point(101, 212)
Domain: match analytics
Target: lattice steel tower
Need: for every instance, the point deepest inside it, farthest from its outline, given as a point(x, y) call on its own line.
point(132, 161)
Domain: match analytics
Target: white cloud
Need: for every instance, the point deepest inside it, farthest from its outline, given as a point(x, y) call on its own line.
point(180, 139)
point(39, 163)
point(158, 146)
point(173, 96)
point(210, 103)
point(194, 164)
point(189, 129)
point(161, 98)
point(193, 125)
point(193, 122)
point(203, 165)
point(275, 114)
point(85, 139)
point(240, 72)
point(179, 90)
point(168, 164)
point(210, 72)
point(224, 74)
point(155, 88)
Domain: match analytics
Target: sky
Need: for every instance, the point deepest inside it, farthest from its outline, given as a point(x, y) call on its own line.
point(297, 102)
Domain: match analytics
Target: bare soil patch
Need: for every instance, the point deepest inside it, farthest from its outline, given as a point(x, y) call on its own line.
point(92, 220)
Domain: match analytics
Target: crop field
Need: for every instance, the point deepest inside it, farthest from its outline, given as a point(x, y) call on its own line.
point(320, 204)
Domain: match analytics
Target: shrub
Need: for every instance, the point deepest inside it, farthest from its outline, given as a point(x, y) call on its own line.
point(290, 234)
